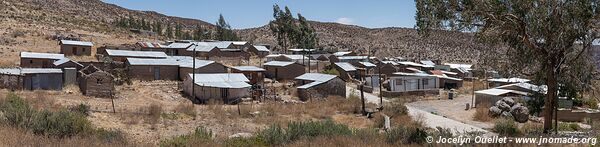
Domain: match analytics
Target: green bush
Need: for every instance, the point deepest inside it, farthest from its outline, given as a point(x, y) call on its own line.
point(568, 127)
point(327, 128)
point(200, 135)
point(17, 112)
point(274, 135)
point(60, 124)
point(405, 134)
point(506, 127)
point(395, 109)
point(331, 72)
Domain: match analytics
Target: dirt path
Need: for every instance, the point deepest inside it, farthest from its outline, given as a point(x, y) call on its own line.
point(429, 119)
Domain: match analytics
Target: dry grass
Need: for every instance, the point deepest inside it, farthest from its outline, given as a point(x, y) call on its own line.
point(482, 114)
point(18, 137)
point(186, 108)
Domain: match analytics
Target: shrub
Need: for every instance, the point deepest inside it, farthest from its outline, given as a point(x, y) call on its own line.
point(155, 112)
point(404, 134)
point(17, 111)
point(327, 128)
point(274, 135)
point(81, 109)
point(60, 124)
point(331, 72)
point(395, 109)
point(506, 127)
point(591, 103)
point(568, 127)
point(200, 135)
point(246, 142)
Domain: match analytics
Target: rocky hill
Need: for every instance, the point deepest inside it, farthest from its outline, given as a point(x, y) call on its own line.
point(95, 16)
point(445, 46)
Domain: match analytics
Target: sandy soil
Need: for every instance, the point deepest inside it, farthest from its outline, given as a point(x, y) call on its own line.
point(453, 109)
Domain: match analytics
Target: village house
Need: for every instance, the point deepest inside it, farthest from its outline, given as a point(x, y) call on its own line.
point(405, 65)
point(259, 50)
point(365, 68)
point(172, 50)
point(387, 68)
point(446, 81)
point(463, 70)
point(316, 85)
point(31, 78)
point(505, 81)
point(186, 64)
point(401, 83)
point(256, 75)
point(297, 51)
point(228, 87)
point(346, 70)
point(122, 55)
point(233, 53)
point(39, 60)
point(152, 69)
point(75, 48)
point(95, 82)
point(280, 70)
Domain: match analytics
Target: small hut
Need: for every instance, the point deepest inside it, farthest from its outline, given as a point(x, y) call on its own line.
point(95, 82)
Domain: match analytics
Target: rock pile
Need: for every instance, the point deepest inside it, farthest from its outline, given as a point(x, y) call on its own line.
point(507, 107)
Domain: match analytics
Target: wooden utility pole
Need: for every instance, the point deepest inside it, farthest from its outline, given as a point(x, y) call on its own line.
point(362, 97)
point(112, 100)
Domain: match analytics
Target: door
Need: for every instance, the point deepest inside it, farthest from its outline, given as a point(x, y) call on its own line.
point(225, 95)
point(156, 73)
point(35, 82)
point(74, 50)
point(412, 85)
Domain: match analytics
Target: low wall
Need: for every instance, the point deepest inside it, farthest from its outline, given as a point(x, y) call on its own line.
point(569, 115)
point(410, 93)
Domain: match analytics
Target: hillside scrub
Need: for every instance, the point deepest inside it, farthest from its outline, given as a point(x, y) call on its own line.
point(62, 123)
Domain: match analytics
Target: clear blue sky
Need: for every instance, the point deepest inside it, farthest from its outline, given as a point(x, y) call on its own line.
point(255, 13)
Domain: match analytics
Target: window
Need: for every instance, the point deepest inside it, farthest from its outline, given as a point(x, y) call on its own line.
point(99, 81)
point(30, 61)
point(425, 81)
point(399, 81)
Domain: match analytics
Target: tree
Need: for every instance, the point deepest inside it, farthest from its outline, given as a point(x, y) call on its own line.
point(224, 31)
point(201, 33)
point(548, 40)
point(178, 31)
point(158, 28)
point(282, 26)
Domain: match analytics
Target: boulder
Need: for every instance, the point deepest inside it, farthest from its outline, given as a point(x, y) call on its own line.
point(509, 100)
point(520, 113)
point(241, 135)
point(506, 114)
point(495, 111)
point(503, 106)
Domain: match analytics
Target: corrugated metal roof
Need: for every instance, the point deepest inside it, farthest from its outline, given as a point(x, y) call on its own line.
point(187, 61)
point(345, 66)
point(73, 42)
point(145, 61)
point(152, 45)
point(389, 62)
point(428, 62)
point(278, 63)
point(412, 74)
point(408, 63)
point(21, 71)
point(42, 55)
point(224, 80)
point(126, 53)
point(63, 61)
point(528, 86)
point(262, 48)
point(510, 80)
point(341, 53)
point(466, 66)
point(239, 42)
point(296, 57)
point(305, 50)
point(179, 45)
point(202, 48)
point(248, 68)
point(316, 77)
point(368, 64)
point(40, 70)
point(498, 92)
point(353, 57)
point(309, 85)
point(230, 50)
